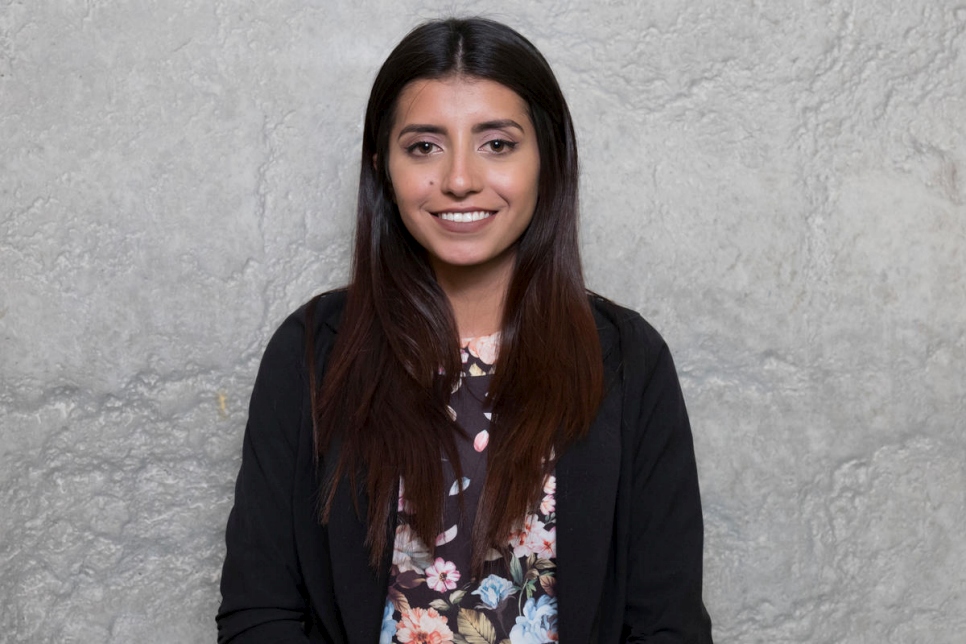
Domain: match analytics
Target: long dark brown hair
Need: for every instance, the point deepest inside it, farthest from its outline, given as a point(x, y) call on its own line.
point(396, 357)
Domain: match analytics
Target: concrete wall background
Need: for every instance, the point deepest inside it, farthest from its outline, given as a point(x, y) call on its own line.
point(778, 187)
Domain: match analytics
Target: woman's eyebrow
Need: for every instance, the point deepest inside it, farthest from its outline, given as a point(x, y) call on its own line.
point(500, 124)
point(421, 129)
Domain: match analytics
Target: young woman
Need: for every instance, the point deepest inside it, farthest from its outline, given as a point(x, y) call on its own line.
point(464, 445)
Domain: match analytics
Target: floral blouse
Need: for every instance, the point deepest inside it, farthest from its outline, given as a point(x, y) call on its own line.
point(434, 599)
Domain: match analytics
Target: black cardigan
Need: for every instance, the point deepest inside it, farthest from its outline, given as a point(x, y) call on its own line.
point(629, 525)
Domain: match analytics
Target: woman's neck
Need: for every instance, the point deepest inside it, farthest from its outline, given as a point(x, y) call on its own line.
point(477, 295)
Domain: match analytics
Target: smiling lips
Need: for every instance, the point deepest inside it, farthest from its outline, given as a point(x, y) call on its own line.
point(464, 217)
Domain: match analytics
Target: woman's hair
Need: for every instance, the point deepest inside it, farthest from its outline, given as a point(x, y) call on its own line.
point(396, 359)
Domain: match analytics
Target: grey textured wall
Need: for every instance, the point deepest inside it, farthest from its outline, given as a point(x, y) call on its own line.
point(779, 187)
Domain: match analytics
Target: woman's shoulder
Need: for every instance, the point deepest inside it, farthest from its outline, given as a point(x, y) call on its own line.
point(322, 311)
point(321, 314)
point(625, 329)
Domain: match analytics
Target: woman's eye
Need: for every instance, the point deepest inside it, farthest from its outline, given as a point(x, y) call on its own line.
point(500, 145)
point(420, 147)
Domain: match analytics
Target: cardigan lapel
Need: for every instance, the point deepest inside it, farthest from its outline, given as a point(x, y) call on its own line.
point(360, 591)
point(587, 477)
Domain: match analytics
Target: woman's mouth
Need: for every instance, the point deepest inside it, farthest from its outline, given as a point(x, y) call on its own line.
point(464, 217)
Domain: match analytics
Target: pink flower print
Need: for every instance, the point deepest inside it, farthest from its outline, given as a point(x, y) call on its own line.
point(481, 440)
point(423, 627)
point(543, 542)
point(464, 356)
point(550, 484)
point(520, 539)
point(548, 504)
point(402, 505)
point(534, 538)
point(442, 575)
point(486, 348)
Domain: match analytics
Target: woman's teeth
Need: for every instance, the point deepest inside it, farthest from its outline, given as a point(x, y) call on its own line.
point(464, 217)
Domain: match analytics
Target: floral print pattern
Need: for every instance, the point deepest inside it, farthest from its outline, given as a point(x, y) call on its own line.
point(388, 630)
point(442, 576)
point(486, 348)
point(418, 625)
point(432, 598)
point(494, 590)
point(409, 552)
point(537, 624)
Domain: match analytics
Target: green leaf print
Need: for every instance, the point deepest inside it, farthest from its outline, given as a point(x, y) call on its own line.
point(516, 571)
point(549, 583)
point(475, 627)
point(544, 564)
point(530, 587)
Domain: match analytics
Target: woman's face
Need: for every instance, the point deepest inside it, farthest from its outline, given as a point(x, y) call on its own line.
point(464, 165)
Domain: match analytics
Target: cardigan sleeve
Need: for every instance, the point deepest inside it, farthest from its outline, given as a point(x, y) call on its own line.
point(263, 595)
point(665, 557)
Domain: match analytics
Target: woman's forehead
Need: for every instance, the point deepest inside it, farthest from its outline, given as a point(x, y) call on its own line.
point(457, 100)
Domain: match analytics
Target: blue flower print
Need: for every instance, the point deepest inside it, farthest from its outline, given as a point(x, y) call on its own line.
point(538, 623)
point(388, 625)
point(493, 590)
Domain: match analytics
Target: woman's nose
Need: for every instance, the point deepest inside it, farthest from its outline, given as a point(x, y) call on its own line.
point(462, 175)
